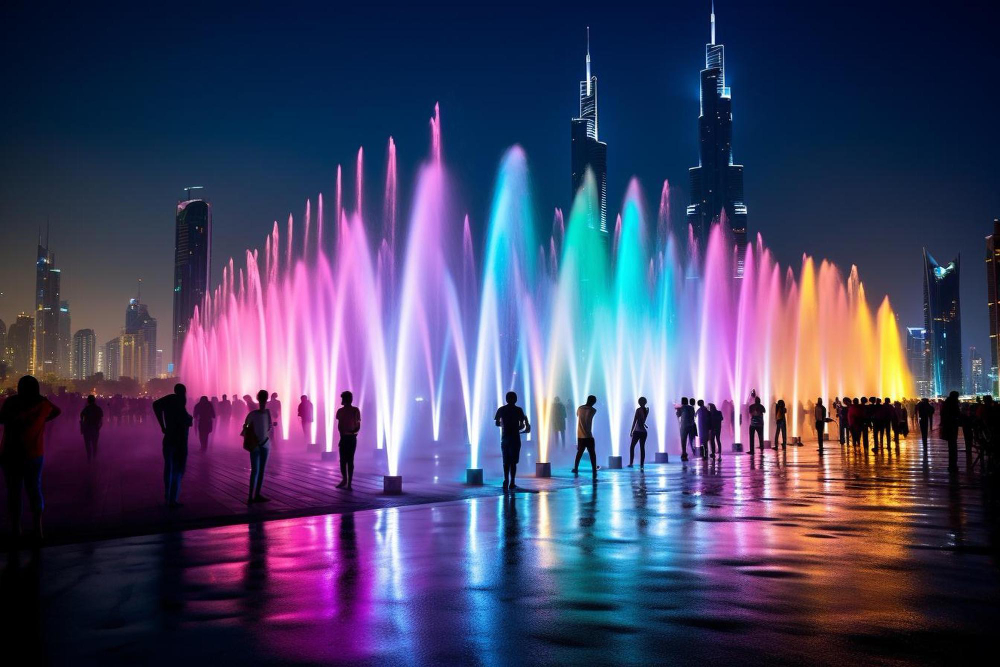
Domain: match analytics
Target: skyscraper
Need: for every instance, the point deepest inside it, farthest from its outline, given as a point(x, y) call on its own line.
point(587, 151)
point(993, 303)
point(65, 342)
point(84, 354)
point(717, 183)
point(20, 342)
point(943, 321)
point(47, 286)
point(112, 359)
point(977, 384)
point(917, 358)
point(133, 357)
point(138, 321)
point(3, 343)
point(192, 264)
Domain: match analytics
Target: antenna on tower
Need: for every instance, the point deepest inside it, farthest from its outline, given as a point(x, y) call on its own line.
point(713, 21)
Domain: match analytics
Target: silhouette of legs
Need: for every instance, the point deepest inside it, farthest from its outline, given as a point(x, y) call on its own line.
point(258, 462)
point(348, 446)
point(640, 438)
point(585, 444)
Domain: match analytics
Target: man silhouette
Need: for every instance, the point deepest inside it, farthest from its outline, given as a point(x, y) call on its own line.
point(585, 434)
point(512, 421)
point(175, 422)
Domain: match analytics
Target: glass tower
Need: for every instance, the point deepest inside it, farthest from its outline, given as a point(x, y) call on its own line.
point(717, 183)
point(943, 322)
point(192, 265)
point(586, 150)
point(993, 304)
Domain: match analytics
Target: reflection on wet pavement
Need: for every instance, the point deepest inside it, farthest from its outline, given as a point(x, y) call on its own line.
point(794, 559)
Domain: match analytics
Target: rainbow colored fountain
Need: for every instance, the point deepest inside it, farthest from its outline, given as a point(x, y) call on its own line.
point(416, 318)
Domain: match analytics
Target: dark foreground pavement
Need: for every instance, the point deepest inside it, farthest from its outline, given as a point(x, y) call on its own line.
point(799, 559)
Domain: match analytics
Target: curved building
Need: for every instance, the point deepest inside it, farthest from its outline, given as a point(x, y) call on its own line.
point(943, 322)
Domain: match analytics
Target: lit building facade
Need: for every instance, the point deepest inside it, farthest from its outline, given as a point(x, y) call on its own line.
point(138, 321)
point(48, 279)
point(134, 358)
point(993, 304)
point(977, 378)
point(65, 341)
point(192, 265)
point(112, 359)
point(587, 151)
point(20, 345)
point(84, 354)
point(943, 322)
point(917, 358)
point(717, 183)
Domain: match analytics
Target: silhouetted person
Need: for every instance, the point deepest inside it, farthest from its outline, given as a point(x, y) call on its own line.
point(174, 420)
point(639, 433)
point(204, 415)
point(925, 415)
point(559, 422)
point(819, 412)
point(512, 421)
point(585, 434)
point(888, 420)
point(704, 422)
point(22, 449)
point(274, 405)
point(843, 420)
point(855, 421)
point(756, 412)
point(349, 425)
point(780, 424)
point(950, 420)
point(91, 420)
point(715, 419)
point(258, 431)
point(685, 419)
point(305, 413)
point(225, 414)
point(901, 425)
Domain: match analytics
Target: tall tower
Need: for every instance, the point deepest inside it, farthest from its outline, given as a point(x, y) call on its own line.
point(84, 354)
point(717, 183)
point(943, 322)
point(586, 149)
point(138, 321)
point(993, 304)
point(192, 264)
point(46, 353)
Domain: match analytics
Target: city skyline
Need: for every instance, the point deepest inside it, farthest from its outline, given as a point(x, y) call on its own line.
point(251, 209)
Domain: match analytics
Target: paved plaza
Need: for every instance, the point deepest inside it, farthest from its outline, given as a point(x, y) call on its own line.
point(799, 558)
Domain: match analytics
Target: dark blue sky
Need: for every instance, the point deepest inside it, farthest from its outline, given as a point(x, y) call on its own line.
point(868, 130)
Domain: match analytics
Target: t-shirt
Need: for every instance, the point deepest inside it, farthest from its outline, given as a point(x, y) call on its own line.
point(306, 411)
point(756, 412)
point(348, 420)
point(511, 417)
point(820, 413)
point(585, 421)
point(261, 422)
point(91, 417)
point(779, 412)
point(24, 426)
point(686, 414)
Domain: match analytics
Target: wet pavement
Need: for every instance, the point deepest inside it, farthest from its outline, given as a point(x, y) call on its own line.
point(799, 559)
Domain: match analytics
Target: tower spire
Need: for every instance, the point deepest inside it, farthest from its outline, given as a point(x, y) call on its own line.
point(713, 21)
point(588, 60)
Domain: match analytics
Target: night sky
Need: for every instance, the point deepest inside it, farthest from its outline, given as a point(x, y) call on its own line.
point(867, 130)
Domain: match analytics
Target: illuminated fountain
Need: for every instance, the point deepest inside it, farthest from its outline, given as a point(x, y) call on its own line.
point(415, 319)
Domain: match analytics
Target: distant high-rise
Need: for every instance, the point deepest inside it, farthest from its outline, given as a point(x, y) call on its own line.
point(192, 264)
point(20, 343)
point(47, 285)
point(112, 359)
point(943, 321)
point(65, 341)
point(587, 151)
point(993, 303)
point(977, 379)
point(138, 321)
point(3, 348)
point(134, 359)
point(917, 358)
point(84, 354)
point(717, 183)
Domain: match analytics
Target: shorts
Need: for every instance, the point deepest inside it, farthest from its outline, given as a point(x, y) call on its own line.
point(511, 451)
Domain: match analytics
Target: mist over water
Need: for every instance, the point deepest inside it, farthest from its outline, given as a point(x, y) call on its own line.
point(429, 326)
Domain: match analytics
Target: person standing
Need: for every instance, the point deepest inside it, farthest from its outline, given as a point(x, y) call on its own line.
point(349, 425)
point(843, 420)
point(559, 422)
point(91, 420)
point(704, 422)
point(585, 434)
point(685, 417)
point(756, 412)
point(951, 418)
point(639, 433)
point(305, 413)
point(204, 415)
point(715, 420)
point(258, 428)
point(22, 449)
point(512, 422)
point(275, 408)
point(225, 414)
point(175, 422)
point(780, 424)
point(819, 412)
point(925, 416)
